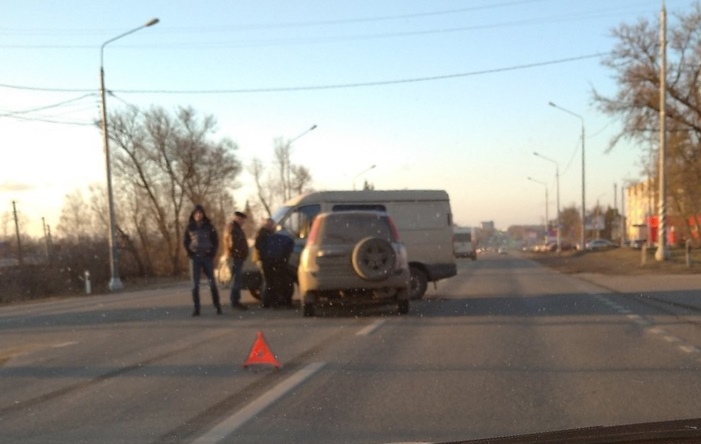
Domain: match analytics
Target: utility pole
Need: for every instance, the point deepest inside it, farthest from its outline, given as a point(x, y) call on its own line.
point(19, 241)
point(662, 253)
point(47, 239)
point(624, 226)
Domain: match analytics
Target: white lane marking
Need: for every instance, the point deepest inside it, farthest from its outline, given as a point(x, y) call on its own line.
point(672, 339)
point(370, 329)
point(64, 344)
point(233, 422)
point(688, 349)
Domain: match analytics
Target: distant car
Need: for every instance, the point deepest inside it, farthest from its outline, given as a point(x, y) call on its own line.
point(599, 244)
point(353, 257)
point(502, 250)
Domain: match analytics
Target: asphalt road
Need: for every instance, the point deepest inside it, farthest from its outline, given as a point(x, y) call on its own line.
point(506, 347)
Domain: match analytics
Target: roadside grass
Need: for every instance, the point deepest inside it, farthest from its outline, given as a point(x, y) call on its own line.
point(620, 261)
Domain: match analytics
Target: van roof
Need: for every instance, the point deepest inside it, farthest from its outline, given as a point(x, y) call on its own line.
point(371, 196)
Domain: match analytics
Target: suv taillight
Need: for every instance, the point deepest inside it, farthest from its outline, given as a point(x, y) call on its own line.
point(314, 232)
point(393, 229)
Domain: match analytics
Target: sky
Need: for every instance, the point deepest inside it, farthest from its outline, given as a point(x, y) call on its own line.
point(447, 94)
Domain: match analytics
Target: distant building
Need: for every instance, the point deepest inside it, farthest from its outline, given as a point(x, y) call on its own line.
point(642, 215)
point(487, 226)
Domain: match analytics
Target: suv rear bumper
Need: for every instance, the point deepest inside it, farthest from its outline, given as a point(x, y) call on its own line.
point(394, 288)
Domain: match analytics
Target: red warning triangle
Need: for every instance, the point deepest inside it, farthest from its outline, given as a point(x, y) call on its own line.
point(260, 353)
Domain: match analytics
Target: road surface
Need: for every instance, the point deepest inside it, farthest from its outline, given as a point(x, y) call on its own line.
point(505, 347)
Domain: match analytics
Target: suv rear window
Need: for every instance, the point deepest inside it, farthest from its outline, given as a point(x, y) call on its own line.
point(345, 227)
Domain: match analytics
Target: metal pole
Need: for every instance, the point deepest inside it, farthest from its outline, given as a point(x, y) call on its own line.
point(662, 252)
point(624, 224)
point(557, 180)
point(19, 239)
point(288, 187)
point(582, 238)
point(115, 282)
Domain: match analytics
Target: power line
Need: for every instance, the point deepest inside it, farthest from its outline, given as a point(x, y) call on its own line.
point(303, 24)
point(41, 108)
point(60, 122)
point(330, 86)
point(340, 38)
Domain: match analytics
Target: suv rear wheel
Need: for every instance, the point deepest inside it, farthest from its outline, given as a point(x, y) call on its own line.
point(373, 258)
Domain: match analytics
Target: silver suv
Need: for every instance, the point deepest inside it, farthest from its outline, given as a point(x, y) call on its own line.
point(353, 257)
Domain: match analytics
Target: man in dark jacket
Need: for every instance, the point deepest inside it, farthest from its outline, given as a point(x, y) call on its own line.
point(201, 243)
point(267, 229)
point(279, 277)
point(238, 252)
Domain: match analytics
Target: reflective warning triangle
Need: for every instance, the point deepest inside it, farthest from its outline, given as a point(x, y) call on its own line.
point(260, 353)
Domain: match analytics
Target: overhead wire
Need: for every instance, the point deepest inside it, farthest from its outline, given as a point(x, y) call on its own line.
point(328, 39)
point(323, 87)
point(45, 107)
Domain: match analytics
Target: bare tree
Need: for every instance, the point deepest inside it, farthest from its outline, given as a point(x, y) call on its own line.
point(165, 163)
point(635, 61)
point(285, 181)
point(78, 219)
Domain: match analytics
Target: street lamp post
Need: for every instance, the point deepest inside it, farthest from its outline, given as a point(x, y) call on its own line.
point(547, 220)
point(361, 173)
point(557, 181)
point(582, 239)
point(115, 283)
point(288, 185)
point(662, 253)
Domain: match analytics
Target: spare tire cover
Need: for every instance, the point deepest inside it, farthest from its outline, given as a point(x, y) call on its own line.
point(373, 258)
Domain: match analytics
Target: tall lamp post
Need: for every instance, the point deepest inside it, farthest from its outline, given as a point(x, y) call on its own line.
point(547, 217)
point(288, 187)
point(557, 181)
point(662, 253)
point(582, 238)
point(115, 283)
point(361, 173)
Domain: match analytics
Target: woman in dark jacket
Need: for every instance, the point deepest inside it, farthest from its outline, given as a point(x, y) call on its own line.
point(201, 243)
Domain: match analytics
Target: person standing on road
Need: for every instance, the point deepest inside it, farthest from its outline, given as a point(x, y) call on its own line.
point(278, 275)
point(201, 242)
point(238, 252)
point(261, 243)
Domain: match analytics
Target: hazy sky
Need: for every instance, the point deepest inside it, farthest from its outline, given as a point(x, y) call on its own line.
point(443, 94)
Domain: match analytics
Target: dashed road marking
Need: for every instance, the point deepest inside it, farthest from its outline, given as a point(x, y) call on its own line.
point(370, 329)
point(689, 349)
point(232, 423)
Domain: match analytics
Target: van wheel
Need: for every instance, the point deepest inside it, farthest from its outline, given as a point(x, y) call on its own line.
point(308, 310)
point(373, 259)
point(419, 283)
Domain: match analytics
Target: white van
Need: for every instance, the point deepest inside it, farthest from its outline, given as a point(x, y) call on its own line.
point(463, 243)
point(423, 219)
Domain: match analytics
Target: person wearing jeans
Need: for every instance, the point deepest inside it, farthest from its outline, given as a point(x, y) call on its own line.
point(201, 242)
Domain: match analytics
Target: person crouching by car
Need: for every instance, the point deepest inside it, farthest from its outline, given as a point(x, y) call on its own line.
point(201, 242)
point(278, 276)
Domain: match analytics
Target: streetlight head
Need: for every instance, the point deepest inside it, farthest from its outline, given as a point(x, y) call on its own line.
point(152, 22)
point(552, 104)
point(313, 127)
point(535, 154)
